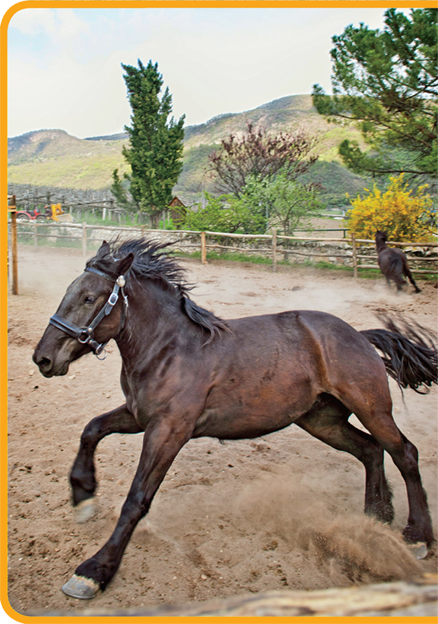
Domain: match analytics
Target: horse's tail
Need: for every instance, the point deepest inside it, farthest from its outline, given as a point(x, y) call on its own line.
point(409, 351)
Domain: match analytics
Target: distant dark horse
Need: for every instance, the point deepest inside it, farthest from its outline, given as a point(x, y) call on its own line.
point(393, 263)
point(187, 374)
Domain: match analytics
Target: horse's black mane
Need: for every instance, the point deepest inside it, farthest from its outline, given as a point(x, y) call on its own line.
point(152, 261)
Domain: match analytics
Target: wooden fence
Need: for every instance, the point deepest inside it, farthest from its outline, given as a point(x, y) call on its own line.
point(12, 209)
point(196, 240)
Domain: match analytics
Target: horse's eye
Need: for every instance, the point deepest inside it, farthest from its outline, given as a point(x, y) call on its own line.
point(89, 299)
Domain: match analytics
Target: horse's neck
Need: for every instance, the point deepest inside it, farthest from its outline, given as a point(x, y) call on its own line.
point(150, 322)
point(381, 245)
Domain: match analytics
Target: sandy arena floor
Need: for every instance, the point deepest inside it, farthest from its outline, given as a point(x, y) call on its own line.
point(247, 516)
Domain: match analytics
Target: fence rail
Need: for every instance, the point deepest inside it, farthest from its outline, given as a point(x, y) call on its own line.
point(80, 232)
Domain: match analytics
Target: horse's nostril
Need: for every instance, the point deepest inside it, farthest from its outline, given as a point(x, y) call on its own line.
point(44, 364)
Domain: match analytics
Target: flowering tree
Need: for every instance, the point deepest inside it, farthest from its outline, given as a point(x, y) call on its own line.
point(261, 155)
point(404, 215)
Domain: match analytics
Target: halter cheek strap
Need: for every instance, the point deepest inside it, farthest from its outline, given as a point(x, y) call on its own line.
point(85, 334)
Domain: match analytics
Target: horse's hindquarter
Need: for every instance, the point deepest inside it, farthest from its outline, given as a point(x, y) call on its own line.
point(391, 259)
point(354, 371)
point(270, 371)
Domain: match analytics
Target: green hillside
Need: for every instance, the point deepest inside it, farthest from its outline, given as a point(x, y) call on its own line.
point(54, 158)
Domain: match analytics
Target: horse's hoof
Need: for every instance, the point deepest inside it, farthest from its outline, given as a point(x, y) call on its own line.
point(419, 550)
point(80, 587)
point(85, 510)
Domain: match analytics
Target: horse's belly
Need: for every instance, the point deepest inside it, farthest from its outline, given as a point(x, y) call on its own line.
point(248, 405)
point(237, 427)
point(237, 417)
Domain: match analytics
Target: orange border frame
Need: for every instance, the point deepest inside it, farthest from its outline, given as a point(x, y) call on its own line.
point(86, 4)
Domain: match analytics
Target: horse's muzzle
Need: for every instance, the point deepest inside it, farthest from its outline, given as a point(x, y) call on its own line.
point(46, 365)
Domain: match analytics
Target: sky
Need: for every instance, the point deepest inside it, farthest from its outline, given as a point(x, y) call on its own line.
point(64, 64)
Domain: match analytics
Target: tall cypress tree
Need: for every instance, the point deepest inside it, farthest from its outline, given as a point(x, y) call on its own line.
point(155, 138)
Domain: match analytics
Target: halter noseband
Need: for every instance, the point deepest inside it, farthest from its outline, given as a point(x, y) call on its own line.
point(85, 334)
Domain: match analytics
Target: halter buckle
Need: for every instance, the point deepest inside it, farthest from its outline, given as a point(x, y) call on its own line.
point(112, 300)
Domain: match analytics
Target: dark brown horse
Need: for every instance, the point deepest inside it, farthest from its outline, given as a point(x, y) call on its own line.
point(187, 374)
point(393, 263)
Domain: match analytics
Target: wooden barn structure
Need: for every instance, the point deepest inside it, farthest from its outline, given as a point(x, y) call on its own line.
point(177, 211)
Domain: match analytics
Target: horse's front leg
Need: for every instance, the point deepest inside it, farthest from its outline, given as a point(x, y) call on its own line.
point(162, 441)
point(82, 476)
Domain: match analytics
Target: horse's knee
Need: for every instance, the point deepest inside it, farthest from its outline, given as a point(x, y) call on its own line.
point(405, 457)
point(90, 434)
point(411, 449)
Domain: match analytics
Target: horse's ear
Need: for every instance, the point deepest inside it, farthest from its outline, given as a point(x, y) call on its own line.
point(104, 250)
point(125, 264)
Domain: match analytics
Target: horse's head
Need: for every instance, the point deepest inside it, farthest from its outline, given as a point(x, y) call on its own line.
point(88, 316)
point(381, 237)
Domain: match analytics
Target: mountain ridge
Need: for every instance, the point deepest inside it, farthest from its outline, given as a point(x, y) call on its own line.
point(52, 157)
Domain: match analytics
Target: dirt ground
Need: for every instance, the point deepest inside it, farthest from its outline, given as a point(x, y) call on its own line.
point(281, 511)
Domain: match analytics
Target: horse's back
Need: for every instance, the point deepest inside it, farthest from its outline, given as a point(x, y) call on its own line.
point(307, 336)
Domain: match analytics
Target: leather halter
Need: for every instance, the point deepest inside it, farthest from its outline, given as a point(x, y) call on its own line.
point(85, 334)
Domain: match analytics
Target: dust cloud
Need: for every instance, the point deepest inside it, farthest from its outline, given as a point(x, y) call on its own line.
point(355, 547)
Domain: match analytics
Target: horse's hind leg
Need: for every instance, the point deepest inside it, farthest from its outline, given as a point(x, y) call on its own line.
point(82, 479)
point(405, 457)
point(327, 420)
point(399, 281)
point(408, 274)
point(374, 412)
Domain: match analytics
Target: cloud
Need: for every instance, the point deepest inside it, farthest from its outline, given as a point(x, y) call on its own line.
point(58, 24)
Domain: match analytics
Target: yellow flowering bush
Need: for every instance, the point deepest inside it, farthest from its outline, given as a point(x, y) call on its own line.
point(404, 215)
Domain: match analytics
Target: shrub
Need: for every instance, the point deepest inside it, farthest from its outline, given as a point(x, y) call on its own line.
point(224, 214)
point(403, 214)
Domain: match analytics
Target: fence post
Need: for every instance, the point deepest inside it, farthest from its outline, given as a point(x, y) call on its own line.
point(353, 240)
point(35, 236)
point(203, 249)
point(14, 246)
point(274, 249)
point(84, 239)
